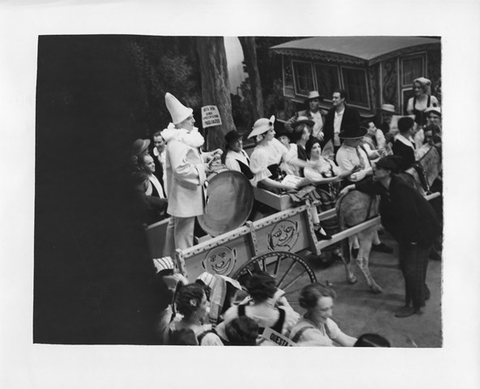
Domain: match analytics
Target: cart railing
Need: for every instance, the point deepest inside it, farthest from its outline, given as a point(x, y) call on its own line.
point(289, 230)
point(355, 229)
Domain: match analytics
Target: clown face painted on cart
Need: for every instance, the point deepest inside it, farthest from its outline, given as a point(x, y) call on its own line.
point(283, 235)
point(220, 260)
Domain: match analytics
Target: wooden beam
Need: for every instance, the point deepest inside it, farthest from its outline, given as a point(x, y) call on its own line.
point(349, 232)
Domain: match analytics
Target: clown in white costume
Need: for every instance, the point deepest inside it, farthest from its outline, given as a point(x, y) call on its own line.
point(186, 169)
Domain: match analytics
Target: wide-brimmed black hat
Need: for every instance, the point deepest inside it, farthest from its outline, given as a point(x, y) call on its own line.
point(303, 120)
point(353, 132)
point(390, 162)
point(232, 136)
point(283, 132)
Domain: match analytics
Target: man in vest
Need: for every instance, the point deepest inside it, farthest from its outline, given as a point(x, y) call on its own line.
point(312, 112)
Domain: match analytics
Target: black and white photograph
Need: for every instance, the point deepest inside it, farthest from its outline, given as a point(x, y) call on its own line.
point(200, 183)
point(121, 185)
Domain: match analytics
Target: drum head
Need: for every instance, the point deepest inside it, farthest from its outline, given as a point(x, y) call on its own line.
point(230, 201)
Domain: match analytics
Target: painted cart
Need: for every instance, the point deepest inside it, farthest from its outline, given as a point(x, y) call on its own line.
point(277, 243)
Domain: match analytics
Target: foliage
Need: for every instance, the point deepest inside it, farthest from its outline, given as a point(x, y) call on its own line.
point(242, 111)
point(164, 64)
point(171, 64)
point(270, 69)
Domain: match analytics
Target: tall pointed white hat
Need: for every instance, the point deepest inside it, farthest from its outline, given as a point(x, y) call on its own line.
point(177, 110)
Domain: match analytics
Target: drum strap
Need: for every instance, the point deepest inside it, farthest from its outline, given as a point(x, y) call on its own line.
point(245, 170)
point(274, 170)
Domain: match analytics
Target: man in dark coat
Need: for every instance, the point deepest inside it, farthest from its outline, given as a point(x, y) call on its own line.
point(158, 152)
point(339, 117)
point(404, 145)
point(411, 220)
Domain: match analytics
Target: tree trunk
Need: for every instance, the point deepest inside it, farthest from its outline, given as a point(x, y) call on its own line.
point(250, 54)
point(215, 87)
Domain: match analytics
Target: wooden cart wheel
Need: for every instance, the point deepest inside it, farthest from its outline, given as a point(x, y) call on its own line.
point(290, 271)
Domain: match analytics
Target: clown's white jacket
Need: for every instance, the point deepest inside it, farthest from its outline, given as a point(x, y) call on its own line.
point(185, 170)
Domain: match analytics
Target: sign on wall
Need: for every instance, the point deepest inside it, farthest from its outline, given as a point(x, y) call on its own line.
point(211, 116)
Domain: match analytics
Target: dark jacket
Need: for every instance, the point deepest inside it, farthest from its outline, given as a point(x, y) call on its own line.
point(158, 169)
point(406, 152)
point(405, 213)
point(351, 118)
point(385, 127)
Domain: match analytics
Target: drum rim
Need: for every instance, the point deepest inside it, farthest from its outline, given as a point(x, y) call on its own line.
point(202, 219)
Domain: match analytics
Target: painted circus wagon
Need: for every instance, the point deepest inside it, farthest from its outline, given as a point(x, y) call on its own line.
point(277, 242)
point(374, 70)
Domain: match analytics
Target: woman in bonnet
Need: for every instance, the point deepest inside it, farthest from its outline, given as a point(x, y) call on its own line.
point(267, 156)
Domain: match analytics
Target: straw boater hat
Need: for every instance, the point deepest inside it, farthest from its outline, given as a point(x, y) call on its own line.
point(313, 95)
point(177, 110)
point(353, 132)
point(388, 108)
point(303, 120)
point(140, 146)
point(435, 110)
point(261, 126)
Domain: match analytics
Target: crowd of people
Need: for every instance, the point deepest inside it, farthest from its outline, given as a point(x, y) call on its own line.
point(216, 310)
point(335, 151)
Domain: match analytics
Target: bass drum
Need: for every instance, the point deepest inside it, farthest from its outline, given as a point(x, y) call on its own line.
point(229, 202)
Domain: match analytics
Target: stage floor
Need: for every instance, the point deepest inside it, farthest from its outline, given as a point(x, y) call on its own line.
point(357, 310)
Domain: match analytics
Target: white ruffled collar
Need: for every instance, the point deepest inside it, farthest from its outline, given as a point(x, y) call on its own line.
point(191, 138)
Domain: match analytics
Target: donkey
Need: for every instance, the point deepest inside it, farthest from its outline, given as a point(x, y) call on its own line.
point(352, 209)
point(357, 207)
